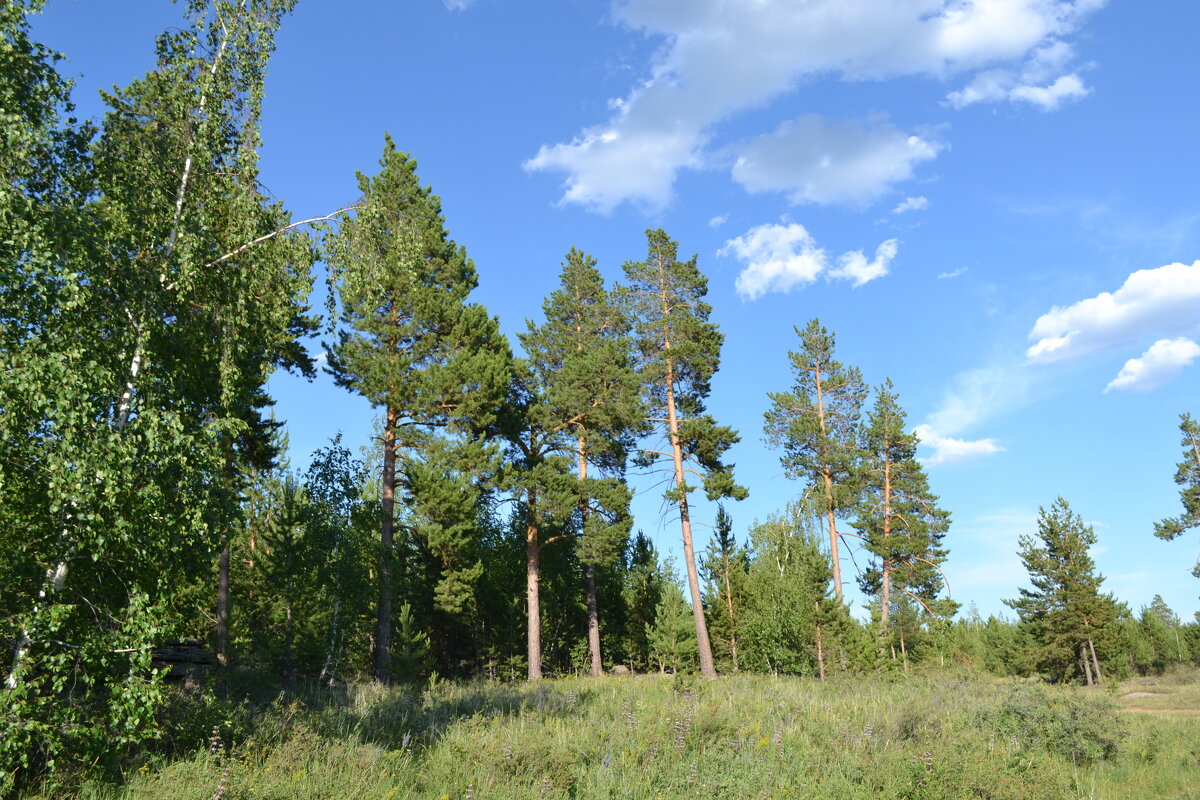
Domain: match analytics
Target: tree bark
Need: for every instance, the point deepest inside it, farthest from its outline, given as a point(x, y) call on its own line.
point(383, 626)
point(223, 606)
point(820, 650)
point(589, 575)
point(707, 668)
point(729, 605)
point(533, 638)
point(828, 481)
point(1095, 662)
point(885, 595)
point(1087, 667)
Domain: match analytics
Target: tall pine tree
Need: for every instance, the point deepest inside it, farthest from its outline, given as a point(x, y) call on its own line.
point(437, 364)
point(680, 351)
point(582, 353)
point(897, 515)
point(817, 425)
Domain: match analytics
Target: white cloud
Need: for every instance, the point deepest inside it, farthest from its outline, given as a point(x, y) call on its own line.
point(911, 204)
point(1160, 301)
point(780, 257)
point(777, 257)
point(1042, 81)
point(949, 450)
point(853, 266)
point(457, 5)
point(718, 220)
point(815, 160)
point(1165, 359)
point(944, 275)
point(721, 58)
point(972, 398)
point(1066, 87)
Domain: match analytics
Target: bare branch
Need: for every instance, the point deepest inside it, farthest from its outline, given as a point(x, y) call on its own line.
point(278, 231)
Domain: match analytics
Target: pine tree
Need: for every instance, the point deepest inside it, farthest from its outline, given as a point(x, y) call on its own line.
point(724, 566)
point(672, 635)
point(1064, 610)
point(898, 516)
point(584, 389)
point(642, 594)
point(816, 424)
point(1188, 478)
point(436, 364)
point(680, 351)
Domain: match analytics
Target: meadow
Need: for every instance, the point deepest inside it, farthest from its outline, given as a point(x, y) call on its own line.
point(940, 734)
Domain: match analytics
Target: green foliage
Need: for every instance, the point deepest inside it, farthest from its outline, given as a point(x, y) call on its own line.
point(1082, 730)
point(943, 736)
point(817, 425)
point(672, 636)
point(792, 624)
point(438, 365)
point(1064, 610)
point(139, 328)
point(1188, 478)
point(679, 351)
point(901, 523)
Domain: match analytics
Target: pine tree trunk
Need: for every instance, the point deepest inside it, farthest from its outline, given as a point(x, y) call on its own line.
point(1087, 667)
point(820, 650)
point(383, 626)
point(885, 595)
point(903, 652)
point(1095, 662)
point(533, 639)
point(729, 605)
point(828, 481)
point(223, 606)
point(707, 667)
point(589, 574)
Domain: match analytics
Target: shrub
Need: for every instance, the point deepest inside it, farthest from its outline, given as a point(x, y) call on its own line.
point(1083, 729)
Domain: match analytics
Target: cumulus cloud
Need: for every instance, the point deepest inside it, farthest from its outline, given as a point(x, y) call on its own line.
point(718, 220)
point(953, 274)
point(911, 204)
point(777, 257)
point(780, 257)
point(1165, 359)
point(853, 266)
point(815, 160)
point(1160, 301)
point(719, 59)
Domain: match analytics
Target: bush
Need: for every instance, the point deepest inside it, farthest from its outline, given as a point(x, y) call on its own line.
point(1085, 730)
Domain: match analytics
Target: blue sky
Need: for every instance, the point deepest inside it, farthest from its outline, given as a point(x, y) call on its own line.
point(992, 202)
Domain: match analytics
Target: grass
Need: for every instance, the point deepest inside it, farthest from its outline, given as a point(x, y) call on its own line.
point(938, 735)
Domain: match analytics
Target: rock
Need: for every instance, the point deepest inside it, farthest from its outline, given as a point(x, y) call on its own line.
point(620, 669)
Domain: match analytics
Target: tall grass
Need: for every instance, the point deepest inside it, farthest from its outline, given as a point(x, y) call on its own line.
point(932, 736)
